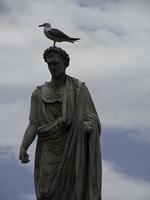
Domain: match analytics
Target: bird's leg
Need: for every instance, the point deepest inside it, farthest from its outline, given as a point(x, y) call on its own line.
point(54, 43)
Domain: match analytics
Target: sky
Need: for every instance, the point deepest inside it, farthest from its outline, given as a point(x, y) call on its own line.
point(112, 58)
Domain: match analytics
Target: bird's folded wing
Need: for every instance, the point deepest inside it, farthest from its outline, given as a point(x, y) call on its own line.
point(58, 33)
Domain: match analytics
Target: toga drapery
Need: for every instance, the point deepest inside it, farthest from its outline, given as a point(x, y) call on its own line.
point(68, 159)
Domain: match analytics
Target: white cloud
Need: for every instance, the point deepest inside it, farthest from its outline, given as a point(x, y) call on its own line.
point(112, 57)
point(117, 186)
point(113, 52)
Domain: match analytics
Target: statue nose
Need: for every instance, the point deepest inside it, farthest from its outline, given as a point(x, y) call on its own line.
point(52, 68)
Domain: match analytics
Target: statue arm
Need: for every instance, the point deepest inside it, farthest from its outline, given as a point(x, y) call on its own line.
point(31, 130)
point(90, 116)
point(28, 138)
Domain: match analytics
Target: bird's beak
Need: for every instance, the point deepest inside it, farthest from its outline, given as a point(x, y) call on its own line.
point(41, 25)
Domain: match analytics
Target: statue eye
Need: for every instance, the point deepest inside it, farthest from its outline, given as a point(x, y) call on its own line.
point(53, 63)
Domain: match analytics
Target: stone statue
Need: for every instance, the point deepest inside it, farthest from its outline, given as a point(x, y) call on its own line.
point(65, 121)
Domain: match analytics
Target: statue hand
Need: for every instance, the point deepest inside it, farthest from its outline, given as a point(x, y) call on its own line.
point(23, 156)
point(88, 127)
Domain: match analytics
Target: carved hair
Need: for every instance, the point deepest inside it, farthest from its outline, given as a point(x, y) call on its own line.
point(56, 50)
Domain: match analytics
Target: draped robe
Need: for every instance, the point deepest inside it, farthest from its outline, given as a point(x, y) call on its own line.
point(68, 159)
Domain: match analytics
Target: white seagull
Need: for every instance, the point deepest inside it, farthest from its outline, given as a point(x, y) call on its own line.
point(56, 35)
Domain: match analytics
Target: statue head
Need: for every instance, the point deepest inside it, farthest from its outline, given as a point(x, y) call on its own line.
point(57, 60)
point(53, 51)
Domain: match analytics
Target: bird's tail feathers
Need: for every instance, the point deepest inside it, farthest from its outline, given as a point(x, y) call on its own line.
point(74, 39)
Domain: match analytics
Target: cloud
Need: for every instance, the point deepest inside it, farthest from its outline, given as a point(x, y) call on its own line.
point(118, 186)
point(3, 7)
point(113, 51)
point(127, 152)
point(112, 57)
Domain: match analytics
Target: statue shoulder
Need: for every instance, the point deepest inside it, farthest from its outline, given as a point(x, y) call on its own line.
point(76, 82)
point(34, 94)
point(37, 90)
point(39, 87)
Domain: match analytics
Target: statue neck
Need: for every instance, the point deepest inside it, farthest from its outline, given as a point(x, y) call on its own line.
point(58, 81)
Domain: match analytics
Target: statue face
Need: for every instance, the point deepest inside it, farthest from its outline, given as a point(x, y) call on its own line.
point(56, 65)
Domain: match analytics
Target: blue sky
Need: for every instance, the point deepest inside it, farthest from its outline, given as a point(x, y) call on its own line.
point(112, 57)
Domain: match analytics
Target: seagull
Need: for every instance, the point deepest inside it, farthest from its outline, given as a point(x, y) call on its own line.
point(56, 35)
